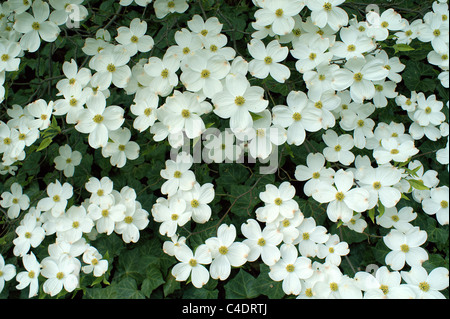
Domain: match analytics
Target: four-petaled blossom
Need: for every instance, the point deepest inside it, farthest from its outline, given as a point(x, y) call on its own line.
point(291, 269)
point(330, 57)
point(225, 252)
point(343, 199)
point(67, 160)
point(97, 120)
point(279, 14)
point(405, 247)
point(15, 201)
point(192, 264)
point(267, 60)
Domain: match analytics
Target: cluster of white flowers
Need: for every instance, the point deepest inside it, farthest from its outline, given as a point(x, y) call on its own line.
point(348, 77)
point(105, 211)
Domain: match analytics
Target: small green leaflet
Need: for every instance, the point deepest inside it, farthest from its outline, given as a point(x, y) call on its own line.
point(417, 184)
point(49, 134)
point(401, 47)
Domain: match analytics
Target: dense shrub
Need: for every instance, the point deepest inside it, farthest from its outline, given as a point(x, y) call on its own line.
point(224, 149)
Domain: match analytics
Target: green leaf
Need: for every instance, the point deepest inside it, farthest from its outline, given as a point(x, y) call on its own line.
point(171, 285)
point(381, 209)
point(44, 144)
point(208, 291)
point(127, 289)
point(255, 116)
point(100, 293)
point(380, 251)
point(372, 215)
point(266, 286)
point(419, 76)
point(417, 184)
point(153, 280)
point(413, 172)
point(241, 286)
point(231, 175)
point(133, 264)
point(401, 47)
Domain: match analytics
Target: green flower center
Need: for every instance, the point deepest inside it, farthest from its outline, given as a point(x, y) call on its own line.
point(73, 102)
point(111, 67)
point(358, 77)
point(297, 116)
point(340, 196)
point(98, 118)
point(165, 73)
point(239, 100)
point(424, 286)
point(404, 248)
point(205, 74)
point(195, 203)
point(192, 262)
point(261, 242)
point(395, 151)
point(327, 6)
point(290, 268)
point(334, 286)
point(128, 219)
point(384, 289)
point(185, 113)
point(148, 111)
point(279, 13)
point(177, 174)
point(376, 185)
point(223, 250)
